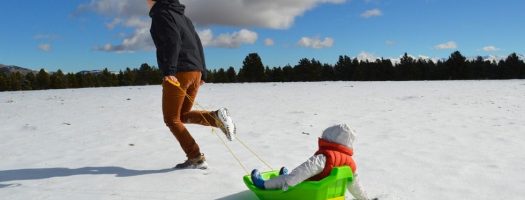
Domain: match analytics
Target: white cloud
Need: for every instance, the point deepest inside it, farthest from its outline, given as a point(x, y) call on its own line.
point(114, 23)
point(491, 49)
point(423, 57)
point(390, 43)
point(140, 39)
point(372, 13)
point(428, 58)
point(133, 14)
point(228, 40)
point(45, 47)
point(129, 14)
point(447, 45)
point(276, 14)
point(364, 56)
point(269, 42)
point(116, 8)
point(46, 37)
point(316, 43)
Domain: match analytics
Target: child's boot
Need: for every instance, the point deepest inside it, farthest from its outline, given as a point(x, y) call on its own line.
point(283, 171)
point(257, 179)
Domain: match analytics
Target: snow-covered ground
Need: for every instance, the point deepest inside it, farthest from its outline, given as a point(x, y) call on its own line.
point(416, 140)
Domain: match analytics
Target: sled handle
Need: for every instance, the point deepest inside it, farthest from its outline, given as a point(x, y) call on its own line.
point(174, 83)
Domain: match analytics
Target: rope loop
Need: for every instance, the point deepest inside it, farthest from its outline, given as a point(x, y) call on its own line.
point(213, 132)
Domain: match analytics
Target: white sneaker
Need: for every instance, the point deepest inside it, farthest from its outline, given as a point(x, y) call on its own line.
point(226, 123)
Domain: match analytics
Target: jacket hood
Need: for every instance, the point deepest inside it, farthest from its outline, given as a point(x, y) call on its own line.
point(340, 134)
point(174, 5)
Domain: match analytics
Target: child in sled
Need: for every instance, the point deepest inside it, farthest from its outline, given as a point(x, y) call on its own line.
point(335, 150)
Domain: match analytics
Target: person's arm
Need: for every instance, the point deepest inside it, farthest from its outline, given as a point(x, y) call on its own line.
point(313, 166)
point(201, 51)
point(356, 189)
point(166, 36)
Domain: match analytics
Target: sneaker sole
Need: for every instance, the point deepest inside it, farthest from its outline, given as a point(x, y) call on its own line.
point(202, 166)
point(223, 116)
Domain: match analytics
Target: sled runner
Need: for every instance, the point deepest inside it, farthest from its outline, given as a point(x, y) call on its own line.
point(332, 187)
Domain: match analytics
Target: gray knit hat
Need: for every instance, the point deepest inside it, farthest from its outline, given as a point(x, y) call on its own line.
point(340, 134)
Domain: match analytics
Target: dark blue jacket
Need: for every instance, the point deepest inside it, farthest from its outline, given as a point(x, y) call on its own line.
point(179, 47)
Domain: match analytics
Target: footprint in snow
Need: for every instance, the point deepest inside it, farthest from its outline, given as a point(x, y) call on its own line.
point(29, 127)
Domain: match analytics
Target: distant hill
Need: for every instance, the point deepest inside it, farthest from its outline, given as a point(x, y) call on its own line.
point(14, 69)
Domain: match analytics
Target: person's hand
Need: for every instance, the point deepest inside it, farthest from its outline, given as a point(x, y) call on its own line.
point(150, 3)
point(172, 79)
point(202, 82)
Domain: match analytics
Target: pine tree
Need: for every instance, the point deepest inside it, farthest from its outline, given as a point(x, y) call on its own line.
point(231, 75)
point(107, 79)
point(521, 69)
point(220, 76)
point(301, 70)
point(510, 68)
point(155, 76)
point(72, 81)
point(252, 69)
point(81, 80)
point(58, 80)
point(372, 70)
point(417, 69)
point(87, 80)
point(42, 80)
point(457, 66)
point(344, 69)
point(360, 72)
point(432, 70)
point(288, 74)
point(143, 74)
point(387, 70)
point(211, 77)
point(30, 81)
point(405, 68)
point(308, 70)
point(268, 74)
point(3, 82)
point(315, 70)
point(328, 73)
point(277, 75)
point(16, 81)
point(127, 78)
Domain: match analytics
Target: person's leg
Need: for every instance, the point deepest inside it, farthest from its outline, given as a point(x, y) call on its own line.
point(219, 119)
point(173, 101)
point(205, 118)
point(278, 182)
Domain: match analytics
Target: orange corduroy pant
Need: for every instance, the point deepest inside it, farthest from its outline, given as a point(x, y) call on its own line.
point(177, 102)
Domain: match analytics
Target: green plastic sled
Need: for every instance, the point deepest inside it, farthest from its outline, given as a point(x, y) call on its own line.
point(332, 187)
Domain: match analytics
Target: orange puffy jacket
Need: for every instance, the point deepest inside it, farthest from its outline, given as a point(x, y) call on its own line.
point(336, 155)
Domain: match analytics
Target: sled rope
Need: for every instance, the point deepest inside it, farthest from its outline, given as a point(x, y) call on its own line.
point(256, 155)
point(232, 153)
point(213, 131)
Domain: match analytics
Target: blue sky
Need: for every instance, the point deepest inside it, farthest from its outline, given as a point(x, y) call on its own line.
point(75, 35)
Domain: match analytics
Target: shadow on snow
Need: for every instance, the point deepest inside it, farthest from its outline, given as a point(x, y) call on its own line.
point(245, 195)
point(45, 173)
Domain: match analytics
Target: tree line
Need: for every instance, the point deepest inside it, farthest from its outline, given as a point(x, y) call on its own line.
point(42, 80)
point(456, 67)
